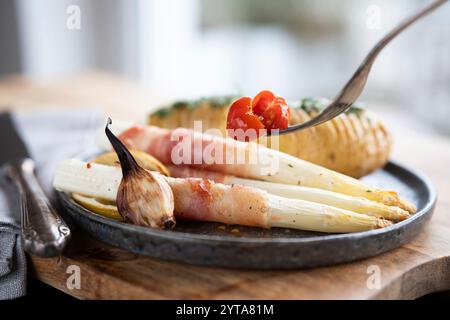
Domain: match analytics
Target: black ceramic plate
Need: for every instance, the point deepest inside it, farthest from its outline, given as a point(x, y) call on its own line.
point(245, 247)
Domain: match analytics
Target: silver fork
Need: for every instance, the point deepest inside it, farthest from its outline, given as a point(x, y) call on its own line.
point(352, 90)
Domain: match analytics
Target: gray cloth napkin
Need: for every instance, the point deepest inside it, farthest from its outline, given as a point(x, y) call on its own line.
point(50, 136)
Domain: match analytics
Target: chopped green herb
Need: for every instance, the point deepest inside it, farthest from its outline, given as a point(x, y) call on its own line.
point(180, 105)
point(162, 113)
point(318, 104)
point(221, 102)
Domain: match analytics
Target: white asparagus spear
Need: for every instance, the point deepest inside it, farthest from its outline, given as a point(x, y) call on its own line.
point(257, 162)
point(200, 199)
point(316, 217)
point(334, 199)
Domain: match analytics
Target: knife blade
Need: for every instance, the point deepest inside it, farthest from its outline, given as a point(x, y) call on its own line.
point(44, 232)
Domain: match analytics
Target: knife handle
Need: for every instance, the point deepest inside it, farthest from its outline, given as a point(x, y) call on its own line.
point(44, 233)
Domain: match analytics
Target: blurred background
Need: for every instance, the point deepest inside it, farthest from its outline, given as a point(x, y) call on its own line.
point(191, 48)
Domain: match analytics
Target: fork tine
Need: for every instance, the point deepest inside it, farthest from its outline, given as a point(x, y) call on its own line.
point(328, 113)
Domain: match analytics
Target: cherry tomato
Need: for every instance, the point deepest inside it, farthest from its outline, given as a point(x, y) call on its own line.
point(240, 116)
point(261, 101)
point(264, 111)
point(273, 110)
point(276, 115)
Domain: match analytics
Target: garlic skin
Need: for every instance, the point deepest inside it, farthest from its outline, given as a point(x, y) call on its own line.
point(145, 198)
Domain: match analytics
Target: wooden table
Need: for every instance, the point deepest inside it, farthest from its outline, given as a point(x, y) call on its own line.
point(418, 268)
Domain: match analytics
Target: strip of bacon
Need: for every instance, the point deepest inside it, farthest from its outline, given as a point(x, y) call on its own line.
point(205, 200)
point(205, 151)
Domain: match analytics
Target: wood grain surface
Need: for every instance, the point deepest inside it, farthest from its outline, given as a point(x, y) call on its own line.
point(418, 268)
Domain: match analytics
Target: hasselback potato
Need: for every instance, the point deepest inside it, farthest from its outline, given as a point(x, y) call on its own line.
point(355, 143)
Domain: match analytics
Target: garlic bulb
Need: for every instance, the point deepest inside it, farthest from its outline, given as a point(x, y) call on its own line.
point(143, 198)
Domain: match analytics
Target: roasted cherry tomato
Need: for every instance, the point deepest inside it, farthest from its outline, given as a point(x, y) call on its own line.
point(272, 109)
point(264, 111)
point(240, 116)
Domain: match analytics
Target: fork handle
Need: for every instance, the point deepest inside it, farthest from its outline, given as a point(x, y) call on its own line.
point(402, 26)
point(354, 87)
point(44, 233)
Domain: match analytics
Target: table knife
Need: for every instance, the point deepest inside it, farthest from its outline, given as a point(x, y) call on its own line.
point(44, 232)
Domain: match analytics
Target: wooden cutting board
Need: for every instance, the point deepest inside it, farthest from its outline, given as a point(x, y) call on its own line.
point(411, 271)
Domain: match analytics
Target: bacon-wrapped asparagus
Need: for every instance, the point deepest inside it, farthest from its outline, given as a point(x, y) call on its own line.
point(334, 199)
point(217, 154)
point(205, 200)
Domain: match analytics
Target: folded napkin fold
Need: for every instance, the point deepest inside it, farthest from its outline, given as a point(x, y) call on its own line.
point(12, 258)
point(50, 136)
